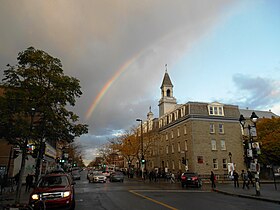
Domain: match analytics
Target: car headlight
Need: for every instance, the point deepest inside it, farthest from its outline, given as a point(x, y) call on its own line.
point(66, 193)
point(35, 197)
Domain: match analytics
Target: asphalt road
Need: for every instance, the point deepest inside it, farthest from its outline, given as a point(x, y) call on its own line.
point(136, 195)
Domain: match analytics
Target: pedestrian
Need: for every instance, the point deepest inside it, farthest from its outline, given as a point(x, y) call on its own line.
point(28, 182)
point(16, 177)
point(235, 179)
point(172, 178)
point(250, 177)
point(213, 180)
point(244, 177)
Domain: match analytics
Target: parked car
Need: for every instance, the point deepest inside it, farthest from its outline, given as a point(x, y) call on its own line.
point(76, 174)
point(56, 190)
point(96, 176)
point(116, 177)
point(190, 179)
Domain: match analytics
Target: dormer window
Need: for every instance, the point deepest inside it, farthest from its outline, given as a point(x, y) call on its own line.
point(216, 109)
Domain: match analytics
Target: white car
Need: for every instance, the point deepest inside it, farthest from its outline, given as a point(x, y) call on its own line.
point(96, 176)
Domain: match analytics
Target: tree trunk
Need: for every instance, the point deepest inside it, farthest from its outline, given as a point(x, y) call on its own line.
point(38, 161)
point(22, 169)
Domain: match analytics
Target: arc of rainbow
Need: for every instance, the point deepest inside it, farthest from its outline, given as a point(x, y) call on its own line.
point(109, 84)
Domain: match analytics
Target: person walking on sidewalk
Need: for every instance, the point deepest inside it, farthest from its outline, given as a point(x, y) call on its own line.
point(213, 180)
point(250, 178)
point(235, 178)
point(244, 179)
point(172, 177)
point(29, 182)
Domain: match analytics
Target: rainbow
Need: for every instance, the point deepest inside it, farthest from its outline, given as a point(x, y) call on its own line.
point(108, 84)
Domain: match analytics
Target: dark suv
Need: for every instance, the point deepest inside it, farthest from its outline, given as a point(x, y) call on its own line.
point(191, 179)
point(56, 190)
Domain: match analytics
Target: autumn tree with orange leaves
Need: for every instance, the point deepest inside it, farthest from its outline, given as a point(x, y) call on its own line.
point(269, 136)
point(127, 145)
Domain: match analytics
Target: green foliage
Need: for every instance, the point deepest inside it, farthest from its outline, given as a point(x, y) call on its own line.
point(36, 96)
point(269, 135)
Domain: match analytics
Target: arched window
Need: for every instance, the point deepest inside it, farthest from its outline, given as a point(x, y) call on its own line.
point(168, 93)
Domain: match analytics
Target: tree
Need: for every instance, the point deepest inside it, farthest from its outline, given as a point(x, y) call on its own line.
point(269, 135)
point(127, 145)
point(35, 101)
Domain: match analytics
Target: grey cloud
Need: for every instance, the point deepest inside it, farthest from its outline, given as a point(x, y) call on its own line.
point(94, 39)
point(256, 92)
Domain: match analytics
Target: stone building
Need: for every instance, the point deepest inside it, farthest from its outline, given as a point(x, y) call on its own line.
point(195, 136)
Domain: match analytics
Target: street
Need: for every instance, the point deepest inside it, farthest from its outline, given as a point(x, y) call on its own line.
point(135, 194)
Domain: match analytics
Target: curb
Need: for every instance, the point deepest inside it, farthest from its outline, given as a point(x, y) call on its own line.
point(248, 196)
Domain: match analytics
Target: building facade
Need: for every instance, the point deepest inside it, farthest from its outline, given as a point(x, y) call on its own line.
point(195, 136)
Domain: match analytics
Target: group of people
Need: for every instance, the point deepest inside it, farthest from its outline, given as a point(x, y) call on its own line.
point(246, 177)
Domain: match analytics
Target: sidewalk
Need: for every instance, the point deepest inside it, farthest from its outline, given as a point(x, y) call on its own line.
point(267, 190)
point(8, 197)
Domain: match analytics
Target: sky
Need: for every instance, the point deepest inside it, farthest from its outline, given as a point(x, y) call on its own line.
point(215, 50)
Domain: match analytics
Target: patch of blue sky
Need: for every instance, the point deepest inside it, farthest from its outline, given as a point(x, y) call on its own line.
point(247, 43)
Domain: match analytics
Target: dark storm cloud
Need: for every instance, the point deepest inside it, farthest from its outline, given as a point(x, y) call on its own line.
point(256, 92)
point(94, 39)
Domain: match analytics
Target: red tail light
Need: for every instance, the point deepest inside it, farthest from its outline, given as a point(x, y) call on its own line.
point(194, 178)
point(183, 177)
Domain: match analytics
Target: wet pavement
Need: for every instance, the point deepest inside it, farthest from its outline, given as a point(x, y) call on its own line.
point(269, 191)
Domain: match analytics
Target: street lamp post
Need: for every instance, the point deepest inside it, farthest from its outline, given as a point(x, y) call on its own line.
point(252, 153)
point(142, 149)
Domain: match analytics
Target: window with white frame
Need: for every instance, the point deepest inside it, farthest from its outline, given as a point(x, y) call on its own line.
point(186, 145)
point(185, 129)
point(167, 164)
point(221, 128)
point(178, 131)
point(167, 149)
point(212, 128)
point(216, 109)
point(179, 146)
point(223, 145)
point(213, 144)
point(172, 135)
point(166, 136)
point(220, 111)
point(224, 163)
point(172, 147)
point(215, 163)
point(173, 165)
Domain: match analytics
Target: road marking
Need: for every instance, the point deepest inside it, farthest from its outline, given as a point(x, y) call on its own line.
point(155, 201)
point(175, 191)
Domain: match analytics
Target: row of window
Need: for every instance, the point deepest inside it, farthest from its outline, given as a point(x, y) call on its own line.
point(215, 162)
point(213, 110)
point(216, 109)
point(213, 146)
point(220, 128)
point(172, 116)
point(212, 130)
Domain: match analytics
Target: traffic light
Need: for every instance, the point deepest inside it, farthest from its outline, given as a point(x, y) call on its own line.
point(183, 160)
point(143, 161)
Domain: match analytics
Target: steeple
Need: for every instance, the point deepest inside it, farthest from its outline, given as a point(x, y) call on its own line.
point(167, 101)
point(150, 114)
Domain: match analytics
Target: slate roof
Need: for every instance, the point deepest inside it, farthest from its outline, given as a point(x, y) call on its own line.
point(261, 114)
